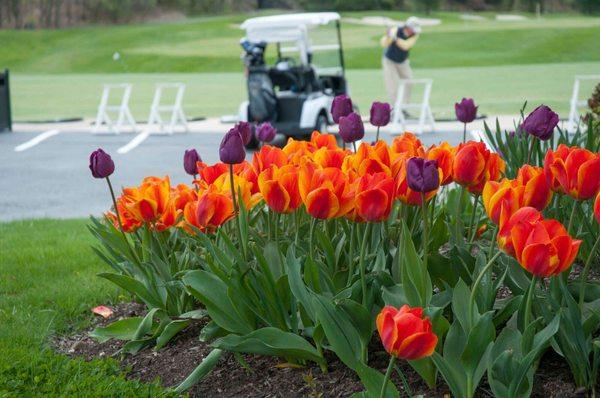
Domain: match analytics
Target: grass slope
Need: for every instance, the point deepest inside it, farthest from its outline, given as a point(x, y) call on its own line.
point(211, 44)
point(47, 286)
point(497, 89)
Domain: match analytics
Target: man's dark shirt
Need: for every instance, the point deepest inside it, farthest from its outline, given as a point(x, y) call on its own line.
point(395, 53)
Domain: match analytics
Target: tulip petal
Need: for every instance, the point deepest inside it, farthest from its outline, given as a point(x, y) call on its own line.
point(322, 203)
point(418, 346)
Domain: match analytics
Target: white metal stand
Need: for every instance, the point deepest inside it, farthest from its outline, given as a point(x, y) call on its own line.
point(423, 107)
point(576, 103)
point(124, 116)
point(177, 116)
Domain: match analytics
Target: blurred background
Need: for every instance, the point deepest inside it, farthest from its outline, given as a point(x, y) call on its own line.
point(500, 52)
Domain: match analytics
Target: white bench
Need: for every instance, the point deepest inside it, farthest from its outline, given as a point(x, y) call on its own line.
point(124, 116)
point(576, 103)
point(425, 116)
point(175, 111)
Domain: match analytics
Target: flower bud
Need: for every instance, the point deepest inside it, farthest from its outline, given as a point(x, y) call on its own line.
point(351, 127)
point(466, 111)
point(341, 106)
point(541, 122)
point(380, 114)
point(231, 150)
point(265, 132)
point(190, 158)
point(101, 164)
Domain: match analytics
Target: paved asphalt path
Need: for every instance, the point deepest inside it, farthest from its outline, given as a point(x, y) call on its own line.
point(52, 179)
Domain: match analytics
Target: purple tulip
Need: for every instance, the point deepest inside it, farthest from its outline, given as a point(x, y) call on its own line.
point(380, 113)
point(245, 130)
point(422, 175)
point(341, 106)
point(101, 164)
point(541, 122)
point(265, 132)
point(351, 127)
point(466, 111)
point(231, 150)
point(190, 158)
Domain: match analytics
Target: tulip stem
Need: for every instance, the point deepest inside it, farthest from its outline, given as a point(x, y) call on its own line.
point(572, 217)
point(425, 229)
point(351, 251)
point(377, 135)
point(114, 200)
point(236, 212)
point(311, 236)
point(493, 241)
point(527, 315)
point(464, 132)
point(388, 373)
point(584, 274)
point(530, 149)
point(474, 227)
point(472, 216)
point(477, 282)
point(363, 249)
point(354, 146)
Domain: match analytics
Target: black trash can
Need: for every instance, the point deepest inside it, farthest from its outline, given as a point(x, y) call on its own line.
point(5, 117)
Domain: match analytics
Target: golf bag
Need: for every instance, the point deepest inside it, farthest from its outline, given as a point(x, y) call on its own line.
point(261, 96)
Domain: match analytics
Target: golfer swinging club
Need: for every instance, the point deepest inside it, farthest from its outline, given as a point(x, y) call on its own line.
point(397, 43)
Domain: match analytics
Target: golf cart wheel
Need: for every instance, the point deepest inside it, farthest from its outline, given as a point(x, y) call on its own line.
point(321, 124)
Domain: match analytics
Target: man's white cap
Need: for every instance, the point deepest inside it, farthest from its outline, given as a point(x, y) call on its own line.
point(414, 24)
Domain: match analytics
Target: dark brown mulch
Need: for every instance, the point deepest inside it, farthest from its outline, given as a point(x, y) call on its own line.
point(266, 377)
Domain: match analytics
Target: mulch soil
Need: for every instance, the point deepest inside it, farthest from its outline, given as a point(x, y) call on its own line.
point(268, 376)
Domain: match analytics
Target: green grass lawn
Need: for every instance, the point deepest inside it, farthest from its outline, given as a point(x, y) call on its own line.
point(47, 287)
point(211, 44)
point(497, 89)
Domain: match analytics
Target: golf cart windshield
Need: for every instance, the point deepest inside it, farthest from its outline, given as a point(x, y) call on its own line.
point(310, 38)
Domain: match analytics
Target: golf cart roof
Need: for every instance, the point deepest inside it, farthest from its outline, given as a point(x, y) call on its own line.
point(285, 27)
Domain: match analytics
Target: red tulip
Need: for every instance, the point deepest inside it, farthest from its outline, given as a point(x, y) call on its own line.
point(405, 333)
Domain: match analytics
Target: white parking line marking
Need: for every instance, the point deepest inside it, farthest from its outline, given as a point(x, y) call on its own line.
point(137, 140)
point(36, 140)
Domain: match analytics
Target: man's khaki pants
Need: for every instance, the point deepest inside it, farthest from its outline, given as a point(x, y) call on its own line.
point(392, 73)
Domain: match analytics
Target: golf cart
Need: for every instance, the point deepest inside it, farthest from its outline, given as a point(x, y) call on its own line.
point(295, 93)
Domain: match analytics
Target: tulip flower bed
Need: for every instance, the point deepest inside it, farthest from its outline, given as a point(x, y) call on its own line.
point(455, 260)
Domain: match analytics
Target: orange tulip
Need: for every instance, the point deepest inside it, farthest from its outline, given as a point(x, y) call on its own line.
point(543, 247)
point(537, 193)
point(575, 170)
point(243, 188)
point(368, 159)
point(326, 157)
point(474, 165)
point(208, 174)
point(267, 156)
point(506, 195)
point(247, 171)
point(405, 333)
point(279, 188)
point(409, 144)
point(298, 151)
point(319, 140)
point(374, 197)
point(183, 194)
point(444, 154)
point(211, 210)
point(508, 221)
point(151, 203)
point(130, 223)
point(597, 208)
point(326, 193)
point(403, 191)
